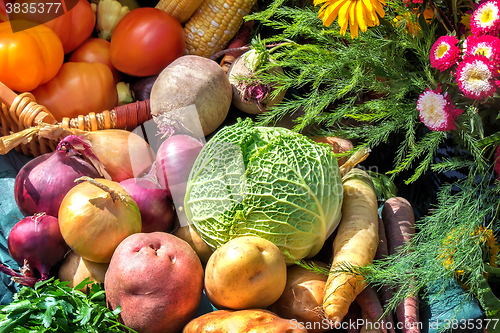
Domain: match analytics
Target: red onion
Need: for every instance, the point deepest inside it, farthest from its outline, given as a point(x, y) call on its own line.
point(156, 208)
point(38, 241)
point(174, 160)
point(43, 182)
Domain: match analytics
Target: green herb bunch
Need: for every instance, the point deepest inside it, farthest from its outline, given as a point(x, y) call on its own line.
point(52, 306)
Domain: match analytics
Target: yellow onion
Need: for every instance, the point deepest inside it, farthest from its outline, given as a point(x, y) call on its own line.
point(95, 216)
point(124, 154)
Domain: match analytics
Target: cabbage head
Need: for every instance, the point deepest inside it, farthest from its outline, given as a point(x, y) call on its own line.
point(268, 182)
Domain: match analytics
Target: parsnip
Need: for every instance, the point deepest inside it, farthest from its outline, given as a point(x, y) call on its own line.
point(355, 243)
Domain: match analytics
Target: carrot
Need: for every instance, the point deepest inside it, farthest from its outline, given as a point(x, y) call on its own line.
point(369, 325)
point(382, 249)
point(399, 223)
point(355, 244)
point(385, 293)
point(350, 321)
point(235, 46)
point(370, 304)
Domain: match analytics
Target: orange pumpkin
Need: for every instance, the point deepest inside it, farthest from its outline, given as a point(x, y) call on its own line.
point(29, 57)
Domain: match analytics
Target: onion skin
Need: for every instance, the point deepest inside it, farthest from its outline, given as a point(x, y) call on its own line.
point(174, 161)
point(124, 154)
point(38, 240)
point(157, 211)
point(42, 183)
point(93, 222)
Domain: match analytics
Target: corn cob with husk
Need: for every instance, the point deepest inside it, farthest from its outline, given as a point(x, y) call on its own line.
point(182, 10)
point(214, 24)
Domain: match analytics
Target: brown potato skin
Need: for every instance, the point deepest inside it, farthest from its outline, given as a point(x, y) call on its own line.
point(75, 269)
point(193, 238)
point(303, 296)
point(242, 321)
point(157, 279)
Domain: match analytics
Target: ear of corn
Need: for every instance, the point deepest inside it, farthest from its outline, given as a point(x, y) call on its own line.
point(214, 24)
point(182, 10)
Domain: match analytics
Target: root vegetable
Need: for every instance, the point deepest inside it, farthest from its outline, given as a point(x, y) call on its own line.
point(192, 237)
point(156, 208)
point(369, 324)
point(370, 305)
point(251, 97)
point(302, 298)
point(385, 293)
point(97, 215)
point(157, 280)
point(75, 269)
point(352, 318)
point(192, 91)
point(42, 183)
point(247, 272)
point(174, 160)
point(399, 220)
point(232, 51)
point(355, 243)
point(243, 321)
point(37, 242)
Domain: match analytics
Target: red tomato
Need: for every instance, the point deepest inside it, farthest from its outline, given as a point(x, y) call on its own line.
point(3, 12)
point(78, 89)
point(95, 50)
point(73, 27)
point(145, 41)
point(29, 57)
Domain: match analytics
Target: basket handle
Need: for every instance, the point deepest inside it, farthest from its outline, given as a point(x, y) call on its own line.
point(26, 112)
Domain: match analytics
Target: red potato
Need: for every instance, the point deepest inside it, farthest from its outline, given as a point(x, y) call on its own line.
point(157, 280)
point(399, 220)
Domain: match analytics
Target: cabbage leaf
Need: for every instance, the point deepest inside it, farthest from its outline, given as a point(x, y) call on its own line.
point(268, 182)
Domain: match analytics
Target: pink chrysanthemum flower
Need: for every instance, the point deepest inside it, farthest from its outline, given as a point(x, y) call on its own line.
point(486, 18)
point(488, 46)
point(437, 112)
point(444, 53)
point(476, 77)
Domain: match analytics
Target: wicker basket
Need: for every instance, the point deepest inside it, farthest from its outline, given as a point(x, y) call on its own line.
point(24, 113)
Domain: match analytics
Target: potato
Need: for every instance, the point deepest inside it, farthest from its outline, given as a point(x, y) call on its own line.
point(242, 321)
point(191, 81)
point(157, 279)
point(245, 273)
point(303, 297)
point(192, 237)
point(75, 269)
